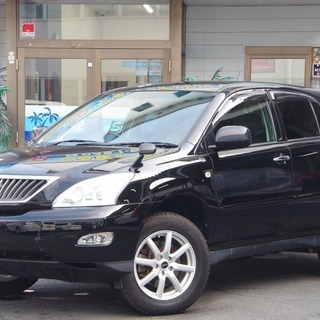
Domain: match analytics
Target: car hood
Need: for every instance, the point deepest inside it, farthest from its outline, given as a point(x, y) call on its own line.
point(52, 160)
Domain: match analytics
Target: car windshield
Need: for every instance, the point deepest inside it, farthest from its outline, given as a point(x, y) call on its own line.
point(131, 117)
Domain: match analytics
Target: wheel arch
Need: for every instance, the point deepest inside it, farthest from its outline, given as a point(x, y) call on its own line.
point(189, 206)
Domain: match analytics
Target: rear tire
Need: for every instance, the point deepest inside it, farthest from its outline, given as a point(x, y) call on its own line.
point(170, 268)
point(11, 285)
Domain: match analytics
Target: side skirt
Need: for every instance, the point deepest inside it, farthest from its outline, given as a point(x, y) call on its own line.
point(311, 242)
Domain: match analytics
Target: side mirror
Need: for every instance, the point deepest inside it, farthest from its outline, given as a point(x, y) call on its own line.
point(232, 137)
point(147, 148)
point(144, 148)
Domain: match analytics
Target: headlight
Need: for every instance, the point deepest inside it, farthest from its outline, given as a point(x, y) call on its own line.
point(96, 239)
point(99, 191)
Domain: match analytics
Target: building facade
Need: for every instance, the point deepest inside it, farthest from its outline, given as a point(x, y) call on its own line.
point(252, 40)
point(55, 55)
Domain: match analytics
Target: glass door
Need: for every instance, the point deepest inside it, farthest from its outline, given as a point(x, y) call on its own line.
point(52, 83)
point(120, 68)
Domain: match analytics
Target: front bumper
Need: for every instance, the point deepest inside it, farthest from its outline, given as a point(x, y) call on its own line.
point(95, 272)
point(43, 243)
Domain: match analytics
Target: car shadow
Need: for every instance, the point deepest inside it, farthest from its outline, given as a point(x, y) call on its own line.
point(252, 276)
point(265, 268)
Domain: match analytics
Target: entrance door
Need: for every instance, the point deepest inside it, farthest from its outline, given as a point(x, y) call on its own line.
point(120, 68)
point(53, 82)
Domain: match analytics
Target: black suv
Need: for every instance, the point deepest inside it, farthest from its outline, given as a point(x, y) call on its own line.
point(147, 187)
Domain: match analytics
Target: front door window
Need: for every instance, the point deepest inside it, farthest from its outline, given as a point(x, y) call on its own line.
point(253, 114)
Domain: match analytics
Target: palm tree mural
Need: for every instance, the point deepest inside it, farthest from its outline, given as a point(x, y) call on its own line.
point(36, 119)
point(52, 117)
point(40, 119)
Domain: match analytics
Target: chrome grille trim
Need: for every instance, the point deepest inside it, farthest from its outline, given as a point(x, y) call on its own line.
point(20, 188)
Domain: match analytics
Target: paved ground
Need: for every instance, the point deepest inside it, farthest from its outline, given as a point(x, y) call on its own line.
point(274, 287)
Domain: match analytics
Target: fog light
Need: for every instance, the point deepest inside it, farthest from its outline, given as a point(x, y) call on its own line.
point(96, 239)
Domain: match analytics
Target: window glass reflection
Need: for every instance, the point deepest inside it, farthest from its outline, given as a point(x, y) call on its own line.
point(43, 20)
point(289, 71)
point(53, 88)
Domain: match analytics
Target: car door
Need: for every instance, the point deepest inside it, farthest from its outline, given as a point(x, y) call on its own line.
point(300, 120)
point(252, 186)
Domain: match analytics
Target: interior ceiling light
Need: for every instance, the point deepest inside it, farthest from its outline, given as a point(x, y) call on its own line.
point(148, 8)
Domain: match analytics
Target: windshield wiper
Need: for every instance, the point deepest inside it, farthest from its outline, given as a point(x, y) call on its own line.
point(137, 144)
point(79, 141)
point(165, 145)
point(120, 144)
point(129, 144)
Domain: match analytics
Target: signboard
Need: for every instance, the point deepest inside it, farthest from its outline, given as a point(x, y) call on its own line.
point(28, 30)
point(155, 71)
point(316, 70)
point(316, 63)
point(262, 65)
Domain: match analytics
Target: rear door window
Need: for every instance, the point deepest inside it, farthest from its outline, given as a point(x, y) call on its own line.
point(298, 116)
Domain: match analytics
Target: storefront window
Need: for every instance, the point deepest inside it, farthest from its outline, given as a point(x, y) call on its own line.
point(289, 71)
point(93, 20)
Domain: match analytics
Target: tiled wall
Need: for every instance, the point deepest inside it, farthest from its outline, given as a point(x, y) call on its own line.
point(217, 36)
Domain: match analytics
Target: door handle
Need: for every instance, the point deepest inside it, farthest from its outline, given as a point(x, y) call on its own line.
point(282, 158)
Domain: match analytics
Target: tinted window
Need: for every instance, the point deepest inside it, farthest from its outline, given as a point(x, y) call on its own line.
point(254, 115)
point(298, 118)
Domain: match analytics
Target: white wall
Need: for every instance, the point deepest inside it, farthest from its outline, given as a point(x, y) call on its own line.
point(2, 35)
point(217, 36)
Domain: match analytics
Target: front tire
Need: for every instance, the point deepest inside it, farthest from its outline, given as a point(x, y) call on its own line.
point(11, 285)
point(170, 268)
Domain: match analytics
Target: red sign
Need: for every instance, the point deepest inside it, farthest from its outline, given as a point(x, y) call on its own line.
point(28, 30)
point(262, 65)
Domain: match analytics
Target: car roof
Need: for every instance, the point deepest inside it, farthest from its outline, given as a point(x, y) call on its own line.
point(226, 87)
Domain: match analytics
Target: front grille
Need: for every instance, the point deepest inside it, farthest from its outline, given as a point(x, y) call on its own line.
point(20, 189)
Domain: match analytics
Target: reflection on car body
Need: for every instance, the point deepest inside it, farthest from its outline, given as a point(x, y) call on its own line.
point(48, 226)
point(19, 226)
point(147, 187)
point(52, 226)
